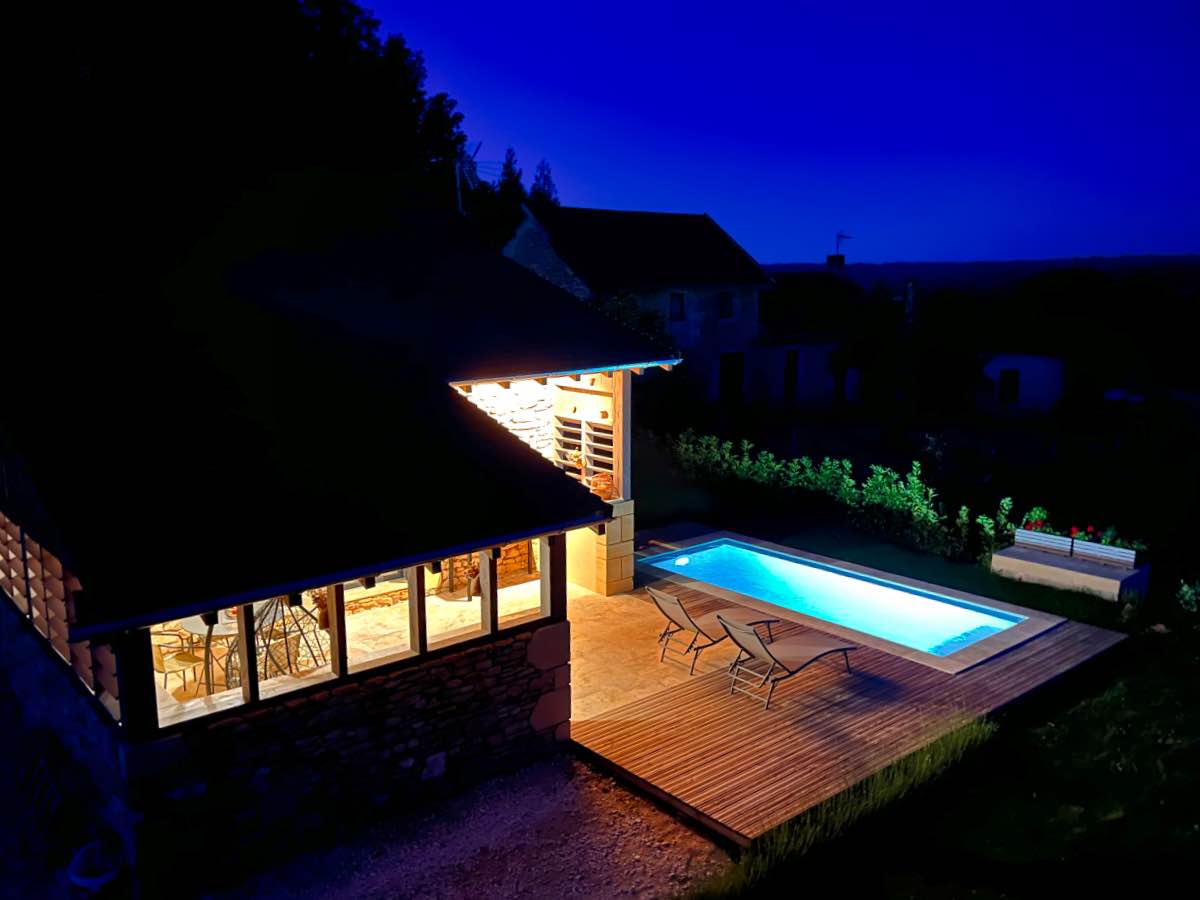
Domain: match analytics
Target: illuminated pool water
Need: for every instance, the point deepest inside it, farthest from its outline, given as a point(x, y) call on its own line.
point(904, 615)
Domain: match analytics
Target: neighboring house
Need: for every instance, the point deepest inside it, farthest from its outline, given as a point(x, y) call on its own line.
point(1022, 382)
point(684, 268)
point(239, 543)
point(807, 320)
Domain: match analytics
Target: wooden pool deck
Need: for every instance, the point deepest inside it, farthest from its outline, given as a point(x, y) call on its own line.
point(741, 771)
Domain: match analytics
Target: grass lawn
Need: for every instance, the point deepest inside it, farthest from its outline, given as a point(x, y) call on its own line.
point(1091, 791)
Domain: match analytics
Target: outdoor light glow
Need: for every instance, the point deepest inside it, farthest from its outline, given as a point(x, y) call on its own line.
point(683, 561)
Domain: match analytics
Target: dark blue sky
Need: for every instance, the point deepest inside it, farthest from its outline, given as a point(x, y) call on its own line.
point(928, 131)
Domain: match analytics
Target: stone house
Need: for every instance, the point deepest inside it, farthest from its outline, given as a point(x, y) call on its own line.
point(683, 268)
point(297, 546)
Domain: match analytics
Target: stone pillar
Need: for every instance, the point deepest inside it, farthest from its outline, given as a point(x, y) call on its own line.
point(550, 653)
point(614, 552)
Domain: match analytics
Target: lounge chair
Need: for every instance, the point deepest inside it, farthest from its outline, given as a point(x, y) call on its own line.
point(789, 656)
point(705, 630)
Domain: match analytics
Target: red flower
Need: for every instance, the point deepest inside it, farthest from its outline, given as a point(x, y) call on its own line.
point(1038, 523)
point(1091, 528)
point(1074, 531)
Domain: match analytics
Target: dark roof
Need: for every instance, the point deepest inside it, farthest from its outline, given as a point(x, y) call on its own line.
point(614, 250)
point(242, 430)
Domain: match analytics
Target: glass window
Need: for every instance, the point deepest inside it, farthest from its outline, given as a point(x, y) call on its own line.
point(732, 377)
point(677, 308)
point(377, 621)
point(453, 601)
point(1009, 388)
point(725, 304)
point(197, 669)
point(291, 637)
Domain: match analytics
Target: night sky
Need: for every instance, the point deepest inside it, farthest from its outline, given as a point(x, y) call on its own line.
point(951, 132)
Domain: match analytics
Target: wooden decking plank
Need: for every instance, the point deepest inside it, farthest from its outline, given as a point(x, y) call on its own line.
point(743, 770)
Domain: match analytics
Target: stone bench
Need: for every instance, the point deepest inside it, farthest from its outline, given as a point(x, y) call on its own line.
point(1060, 562)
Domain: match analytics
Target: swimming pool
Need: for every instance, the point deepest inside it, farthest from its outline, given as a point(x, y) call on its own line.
point(915, 618)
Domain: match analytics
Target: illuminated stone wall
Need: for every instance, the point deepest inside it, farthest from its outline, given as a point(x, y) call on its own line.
point(526, 408)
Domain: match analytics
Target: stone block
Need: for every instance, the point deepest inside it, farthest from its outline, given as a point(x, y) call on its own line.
point(551, 709)
point(615, 551)
point(550, 646)
point(435, 767)
point(622, 508)
point(626, 528)
point(618, 586)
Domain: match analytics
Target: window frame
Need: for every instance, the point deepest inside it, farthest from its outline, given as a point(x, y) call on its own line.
point(725, 308)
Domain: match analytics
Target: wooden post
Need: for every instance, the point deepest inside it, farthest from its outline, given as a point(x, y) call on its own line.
point(248, 653)
point(335, 609)
point(25, 575)
point(418, 633)
point(623, 432)
point(489, 590)
point(552, 552)
point(136, 696)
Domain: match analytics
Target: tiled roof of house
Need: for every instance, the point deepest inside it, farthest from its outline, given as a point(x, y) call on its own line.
point(615, 250)
point(286, 421)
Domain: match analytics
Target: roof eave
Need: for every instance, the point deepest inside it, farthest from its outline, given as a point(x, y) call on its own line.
point(86, 632)
point(561, 373)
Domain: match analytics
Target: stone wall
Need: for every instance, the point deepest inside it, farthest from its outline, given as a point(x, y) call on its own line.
point(526, 408)
point(288, 772)
point(515, 565)
point(55, 707)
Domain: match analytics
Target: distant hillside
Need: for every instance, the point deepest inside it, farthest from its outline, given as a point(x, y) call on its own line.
point(998, 275)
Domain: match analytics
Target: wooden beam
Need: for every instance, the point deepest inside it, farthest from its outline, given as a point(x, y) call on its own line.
point(489, 591)
point(418, 631)
point(575, 377)
point(505, 385)
point(248, 653)
point(136, 695)
point(667, 367)
point(465, 388)
point(335, 609)
point(623, 434)
point(637, 370)
point(541, 380)
point(552, 551)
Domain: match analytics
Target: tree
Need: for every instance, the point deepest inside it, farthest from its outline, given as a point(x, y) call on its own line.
point(249, 91)
point(511, 190)
point(543, 190)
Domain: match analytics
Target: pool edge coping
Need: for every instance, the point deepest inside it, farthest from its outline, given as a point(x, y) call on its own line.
point(1035, 622)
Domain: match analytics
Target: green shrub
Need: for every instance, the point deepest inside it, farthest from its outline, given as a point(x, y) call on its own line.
point(902, 507)
point(788, 843)
point(987, 534)
point(1188, 596)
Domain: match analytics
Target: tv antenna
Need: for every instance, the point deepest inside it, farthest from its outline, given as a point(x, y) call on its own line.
point(838, 238)
point(465, 170)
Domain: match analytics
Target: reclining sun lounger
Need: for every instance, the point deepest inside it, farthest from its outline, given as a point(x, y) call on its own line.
point(705, 630)
point(788, 655)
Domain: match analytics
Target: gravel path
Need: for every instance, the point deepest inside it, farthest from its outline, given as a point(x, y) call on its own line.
point(556, 829)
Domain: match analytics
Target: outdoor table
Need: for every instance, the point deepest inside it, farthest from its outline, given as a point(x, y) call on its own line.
point(226, 627)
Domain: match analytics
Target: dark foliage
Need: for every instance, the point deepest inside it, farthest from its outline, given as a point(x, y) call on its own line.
point(183, 109)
